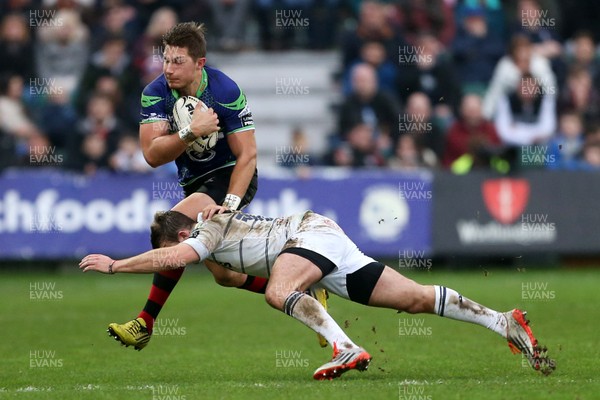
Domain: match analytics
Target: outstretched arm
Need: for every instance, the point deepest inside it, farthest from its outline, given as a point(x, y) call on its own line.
point(151, 261)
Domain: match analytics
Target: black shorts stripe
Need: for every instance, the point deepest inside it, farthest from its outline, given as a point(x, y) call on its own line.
point(361, 283)
point(241, 246)
point(267, 249)
point(322, 262)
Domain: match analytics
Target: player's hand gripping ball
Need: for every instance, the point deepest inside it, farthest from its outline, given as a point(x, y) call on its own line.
point(182, 114)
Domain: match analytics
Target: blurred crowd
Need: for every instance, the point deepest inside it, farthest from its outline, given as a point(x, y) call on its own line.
point(470, 84)
point(454, 84)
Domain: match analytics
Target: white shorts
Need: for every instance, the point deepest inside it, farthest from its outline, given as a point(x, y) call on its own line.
point(323, 236)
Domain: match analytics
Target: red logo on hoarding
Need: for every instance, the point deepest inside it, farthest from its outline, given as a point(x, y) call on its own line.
point(505, 198)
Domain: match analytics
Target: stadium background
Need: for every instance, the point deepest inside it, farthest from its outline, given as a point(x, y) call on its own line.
point(360, 116)
point(366, 98)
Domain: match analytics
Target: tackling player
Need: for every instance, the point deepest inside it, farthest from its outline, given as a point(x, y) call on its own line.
point(306, 250)
point(225, 174)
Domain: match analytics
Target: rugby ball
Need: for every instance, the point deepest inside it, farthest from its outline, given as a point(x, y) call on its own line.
point(182, 115)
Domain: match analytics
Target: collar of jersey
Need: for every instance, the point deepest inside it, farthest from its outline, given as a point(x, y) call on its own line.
point(201, 88)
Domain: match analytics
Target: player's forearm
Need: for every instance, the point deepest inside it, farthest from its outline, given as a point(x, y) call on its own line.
point(164, 149)
point(146, 263)
point(242, 174)
point(153, 261)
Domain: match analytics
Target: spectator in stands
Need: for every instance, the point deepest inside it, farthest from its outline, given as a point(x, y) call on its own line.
point(409, 154)
point(434, 16)
point(14, 119)
point(368, 105)
point(97, 136)
point(297, 155)
point(508, 72)
point(127, 108)
point(374, 25)
point(493, 12)
point(129, 157)
point(583, 55)
point(471, 139)
point(339, 156)
point(61, 51)
point(429, 70)
point(118, 19)
point(418, 121)
point(92, 155)
point(148, 48)
point(580, 94)
point(19, 132)
point(16, 48)
point(114, 61)
point(528, 115)
point(539, 25)
point(567, 145)
point(58, 116)
point(373, 53)
point(590, 159)
point(40, 153)
point(476, 50)
point(361, 139)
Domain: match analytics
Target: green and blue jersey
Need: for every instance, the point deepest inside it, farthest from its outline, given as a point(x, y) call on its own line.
point(228, 101)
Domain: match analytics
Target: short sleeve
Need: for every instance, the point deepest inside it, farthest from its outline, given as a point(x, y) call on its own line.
point(198, 247)
point(153, 105)
point(236, 116)
point(206, 237)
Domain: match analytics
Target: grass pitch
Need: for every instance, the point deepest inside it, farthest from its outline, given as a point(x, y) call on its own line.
point(219, 343)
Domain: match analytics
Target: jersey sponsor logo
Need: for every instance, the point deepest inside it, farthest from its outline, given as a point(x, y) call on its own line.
point(245, 116)
point(505, 198)
point(148, 101)
point(251, 217)
point(154, 116)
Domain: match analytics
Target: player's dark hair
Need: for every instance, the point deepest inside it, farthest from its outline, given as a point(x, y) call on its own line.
point(189, 35)
point(166, 226)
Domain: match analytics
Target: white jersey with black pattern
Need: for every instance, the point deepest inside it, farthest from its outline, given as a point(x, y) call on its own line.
point(242, 242)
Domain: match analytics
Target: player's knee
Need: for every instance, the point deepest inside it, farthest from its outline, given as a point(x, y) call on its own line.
point(418, 302)
point(273, 298)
